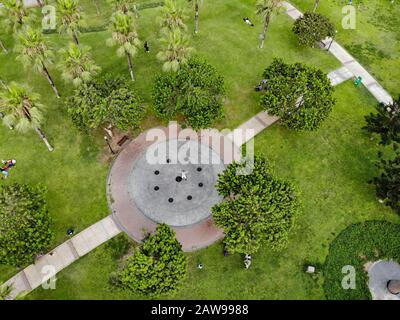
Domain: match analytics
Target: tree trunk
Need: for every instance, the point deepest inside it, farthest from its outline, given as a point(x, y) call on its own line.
point(264, 35)
point(53, 86)
point(196, 18)
point(128, 56)
point(40, 3)
point(3, 47)
point(75, 38)
point(43, 137)
point(316, 5)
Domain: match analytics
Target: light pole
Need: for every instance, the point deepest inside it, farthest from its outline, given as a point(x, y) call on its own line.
point(109, 145)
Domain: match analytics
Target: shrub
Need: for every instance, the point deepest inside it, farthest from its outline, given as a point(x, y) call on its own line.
point(355, 246)
point(24, 223)
point(159, 266)
point(107, 100)
point(312, 28)
point(258, 208)
point(302, 96)
point(195, 91)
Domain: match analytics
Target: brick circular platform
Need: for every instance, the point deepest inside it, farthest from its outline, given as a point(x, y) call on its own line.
point(193, 233)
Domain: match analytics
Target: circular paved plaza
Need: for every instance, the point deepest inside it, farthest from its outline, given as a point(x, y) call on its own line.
point(169, 181)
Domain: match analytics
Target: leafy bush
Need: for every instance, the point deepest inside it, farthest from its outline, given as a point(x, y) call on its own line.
point(258, 208)
point(355, 246)
point(194, 91)
point(388, 183)
point(159, 266)
point(386, 122)
point(24, 223)
point(301, 95)
point(107, 100)
point(312, 28)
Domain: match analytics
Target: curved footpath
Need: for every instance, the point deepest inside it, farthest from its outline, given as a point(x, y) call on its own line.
point(32, 277)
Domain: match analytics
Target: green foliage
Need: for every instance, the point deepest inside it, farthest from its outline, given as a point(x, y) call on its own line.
point(24, 223)
point(386, 122)
point(357, 245)
point(194, 91)
point(105, 100)
point(388, 183)
point(14, 15)
point(301, 95)
point(312, 28)
point(173, 16)
point(69, 17)
point(258, 208)
point(158, 267)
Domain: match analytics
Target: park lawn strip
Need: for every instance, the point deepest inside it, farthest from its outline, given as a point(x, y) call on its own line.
point(375, 42)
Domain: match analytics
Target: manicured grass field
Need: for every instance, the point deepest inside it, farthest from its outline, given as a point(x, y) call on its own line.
point(331, 166)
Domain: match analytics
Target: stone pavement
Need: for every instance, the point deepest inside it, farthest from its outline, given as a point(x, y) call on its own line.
point(340, 75)
point(349, 62)
point(48, 265)
point(380, 273)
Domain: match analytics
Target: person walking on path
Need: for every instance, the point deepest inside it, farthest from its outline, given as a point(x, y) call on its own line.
point(7, 165)
point(247, 261)
point(184, 176)
point(146, 47)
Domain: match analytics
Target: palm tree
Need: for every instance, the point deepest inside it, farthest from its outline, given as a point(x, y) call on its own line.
point(126, 6)
point(176, 50)
point(22, 110)
point(33, 52)
point(196, 5)
point(69, 14)
point(125, 36)
point(14, 15)
point(266, 8)
point(77, 65)
point(173, 16)
point(316, 5)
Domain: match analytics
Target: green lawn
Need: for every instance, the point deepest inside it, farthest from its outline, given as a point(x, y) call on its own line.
point(330, 166)
point(375, 42)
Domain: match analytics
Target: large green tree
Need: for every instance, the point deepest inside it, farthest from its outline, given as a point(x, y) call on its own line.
point(23, 110)
point(388, 182)
point(312, 28)
point(195, 92)
point(257, 209)
point(69, 18)
point(25, 224)
point(77, 65)
point(175, 50)
point(301, 95)
point(34, 53)
point(386, 122)
point(158, 266)
point(104, 101)
point(266, 9)
point(124, 35)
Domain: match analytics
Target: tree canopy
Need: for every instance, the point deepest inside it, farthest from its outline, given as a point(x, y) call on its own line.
point(195, 91)
point(257, 208)
point(301, 95)
point(388, 182)
point(24, 223)
point(386, 122)
point(159, 265)
point(312, 28)
point(107, 100)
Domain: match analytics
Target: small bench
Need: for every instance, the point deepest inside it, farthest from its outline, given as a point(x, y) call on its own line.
point(122, 140)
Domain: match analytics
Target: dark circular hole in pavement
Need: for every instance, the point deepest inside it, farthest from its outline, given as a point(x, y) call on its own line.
point(168, 160)
point(156, 172)
point(156, 188)
point(199, 169)
point(201, 184)
point(189, 197)
point(187, 138)
point(170, 200)
point(178, 179)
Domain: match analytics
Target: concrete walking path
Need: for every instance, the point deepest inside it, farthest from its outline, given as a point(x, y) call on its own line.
point(71, 250)
point(349, 62)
